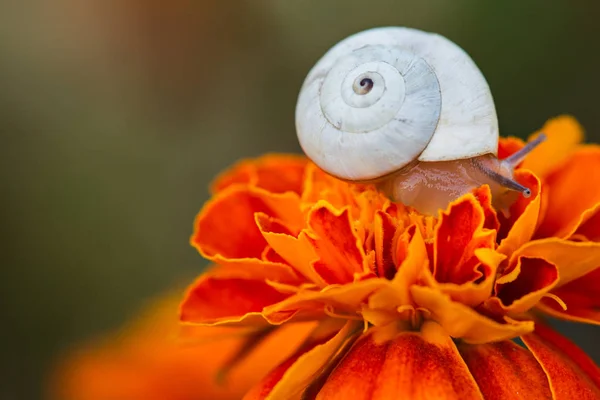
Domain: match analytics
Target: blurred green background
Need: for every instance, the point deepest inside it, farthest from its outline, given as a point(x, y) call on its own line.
point(116, 114)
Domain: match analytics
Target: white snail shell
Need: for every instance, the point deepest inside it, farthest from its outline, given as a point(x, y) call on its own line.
point(385, 98)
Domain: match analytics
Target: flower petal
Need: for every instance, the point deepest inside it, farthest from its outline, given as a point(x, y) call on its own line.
point(535, 277)
point(573, 259)
point(458, 234)
point(226, 225)
point(422, 365)
point(506, 371)
point(212, 300)
point(297, 251)
point(339, 250)
point(276, 173)
point(524, 214)
point(474, 293)
point(463, 322)
point(581, 298)
point(385, 230)
point(590, 224)
point(253, 268)
point(571, 193)
point(571, 373)
point(563, 135)
point(290, 378)
point(345, 298)
point(396, 292)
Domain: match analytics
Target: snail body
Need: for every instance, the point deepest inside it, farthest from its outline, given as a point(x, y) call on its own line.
point(406, 110)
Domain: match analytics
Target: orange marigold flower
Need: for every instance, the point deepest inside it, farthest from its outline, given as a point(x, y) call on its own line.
point(409, 305)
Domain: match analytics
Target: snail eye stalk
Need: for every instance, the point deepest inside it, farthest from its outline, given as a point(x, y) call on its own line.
point(509, 164)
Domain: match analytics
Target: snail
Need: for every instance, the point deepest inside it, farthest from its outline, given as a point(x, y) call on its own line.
point(408, 111)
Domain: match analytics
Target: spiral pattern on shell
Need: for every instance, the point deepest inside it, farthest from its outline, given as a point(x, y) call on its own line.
point(373, 103)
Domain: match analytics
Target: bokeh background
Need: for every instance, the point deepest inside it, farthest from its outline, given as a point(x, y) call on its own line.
point(116, 114)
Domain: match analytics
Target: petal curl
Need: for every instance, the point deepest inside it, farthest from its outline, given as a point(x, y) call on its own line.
point(572, 375)
point(458, 234)
point(226, 224)
point(571, 192)
point(463, 322)
point(520, 226)
point(297, 251)
point(525, 286)
point(344, 298)
point(334, 239)
point(573, 259)
point(581, 297)
point(422, 365)
point(506, 371)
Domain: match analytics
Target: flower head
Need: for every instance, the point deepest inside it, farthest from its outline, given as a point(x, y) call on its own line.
point(408, 304)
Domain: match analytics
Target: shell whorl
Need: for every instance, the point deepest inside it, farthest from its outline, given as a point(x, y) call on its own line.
point(377, 101)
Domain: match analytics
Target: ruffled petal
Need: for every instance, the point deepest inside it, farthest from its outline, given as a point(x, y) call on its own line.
point(526, 285)
point(571, 374)
point(520, 226)
point(277, 173)
point(573, 259)
point(297, 251)
point(571, 193)
point(474, 293)
point(340, 252)
point(463, 322)
point(293, 376)
point(212, 300)
point(506, 371)
point(458, 234)
point(581, 297)
point(422, 365)
point(344, 299)
point(226, 225)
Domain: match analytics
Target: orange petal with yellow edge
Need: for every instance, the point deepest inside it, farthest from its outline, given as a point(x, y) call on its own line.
point(293, 376)
point(297, 251)
point(563, 135)
point(506, 371)
point(520, 226)
point(570, 372)
point(424, 365)
point(344, 298)
point(535, 277)
point(226, 225)
point(458, 234)
point(581, 297)
point(396, 292)
point(212, 300)
point(484, 197)
point(571, 191)
point(474, 293)
point(277, 173)
point(253, 268)
point(463, 322)
point(573, 259)
point(339, 250)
